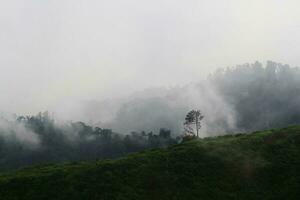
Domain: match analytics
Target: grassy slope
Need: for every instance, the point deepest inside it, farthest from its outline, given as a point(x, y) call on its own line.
point(262, 165)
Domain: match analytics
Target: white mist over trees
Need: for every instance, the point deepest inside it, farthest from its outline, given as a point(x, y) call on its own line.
point(64, 51)
point(242, 98)
point(262, 97)
point(29, 140)
point(14, 132)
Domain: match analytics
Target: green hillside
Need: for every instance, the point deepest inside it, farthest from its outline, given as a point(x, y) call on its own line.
point(261, 165)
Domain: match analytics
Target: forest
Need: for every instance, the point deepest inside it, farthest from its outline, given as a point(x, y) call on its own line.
point(262, 97)
point(242, 98)
point(38, 139)
point(250, 97)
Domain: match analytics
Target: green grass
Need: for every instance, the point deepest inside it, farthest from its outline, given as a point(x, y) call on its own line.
point(262, 165)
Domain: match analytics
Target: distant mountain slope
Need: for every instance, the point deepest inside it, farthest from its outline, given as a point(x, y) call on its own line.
point(261, 165)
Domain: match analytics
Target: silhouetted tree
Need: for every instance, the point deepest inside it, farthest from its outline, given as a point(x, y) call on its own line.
point(193, 117)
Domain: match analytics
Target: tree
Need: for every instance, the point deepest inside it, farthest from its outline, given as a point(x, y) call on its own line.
point(193, 117)
point(165, 133)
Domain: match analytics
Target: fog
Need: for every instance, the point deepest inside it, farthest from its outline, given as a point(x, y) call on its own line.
point(243, 98)
point(12, 132)
point(55, 55)
point(166, 108)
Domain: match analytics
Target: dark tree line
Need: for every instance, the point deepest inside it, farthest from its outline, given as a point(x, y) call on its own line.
point(72, 142)
point(262, 96)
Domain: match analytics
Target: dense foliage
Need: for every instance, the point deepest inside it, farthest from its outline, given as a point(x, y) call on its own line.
point(262, 97)
point(262, 165)
point(243, 98)
point(246, 98)
point(51, 142)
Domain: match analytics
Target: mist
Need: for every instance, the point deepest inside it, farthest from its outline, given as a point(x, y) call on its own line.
point(114, 77)
point(242, 98)
point(167, 108)
point(54, 55)
point(12, 131)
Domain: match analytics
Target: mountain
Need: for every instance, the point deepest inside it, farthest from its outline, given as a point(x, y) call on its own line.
point(259, 165)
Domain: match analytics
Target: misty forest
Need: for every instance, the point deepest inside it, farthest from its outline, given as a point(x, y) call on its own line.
point(254, 97)
point(149, 100)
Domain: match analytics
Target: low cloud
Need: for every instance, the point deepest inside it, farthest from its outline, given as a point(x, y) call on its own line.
point(13, 131)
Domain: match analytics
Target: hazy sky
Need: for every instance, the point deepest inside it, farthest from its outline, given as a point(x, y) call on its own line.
point(54, 51)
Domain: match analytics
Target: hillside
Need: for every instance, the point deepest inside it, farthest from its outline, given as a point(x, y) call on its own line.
point(261, 165)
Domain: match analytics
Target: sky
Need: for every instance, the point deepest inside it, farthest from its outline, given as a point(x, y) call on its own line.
point(55, 52)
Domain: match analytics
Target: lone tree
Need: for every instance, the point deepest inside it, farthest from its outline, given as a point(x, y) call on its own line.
point(193, 117)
